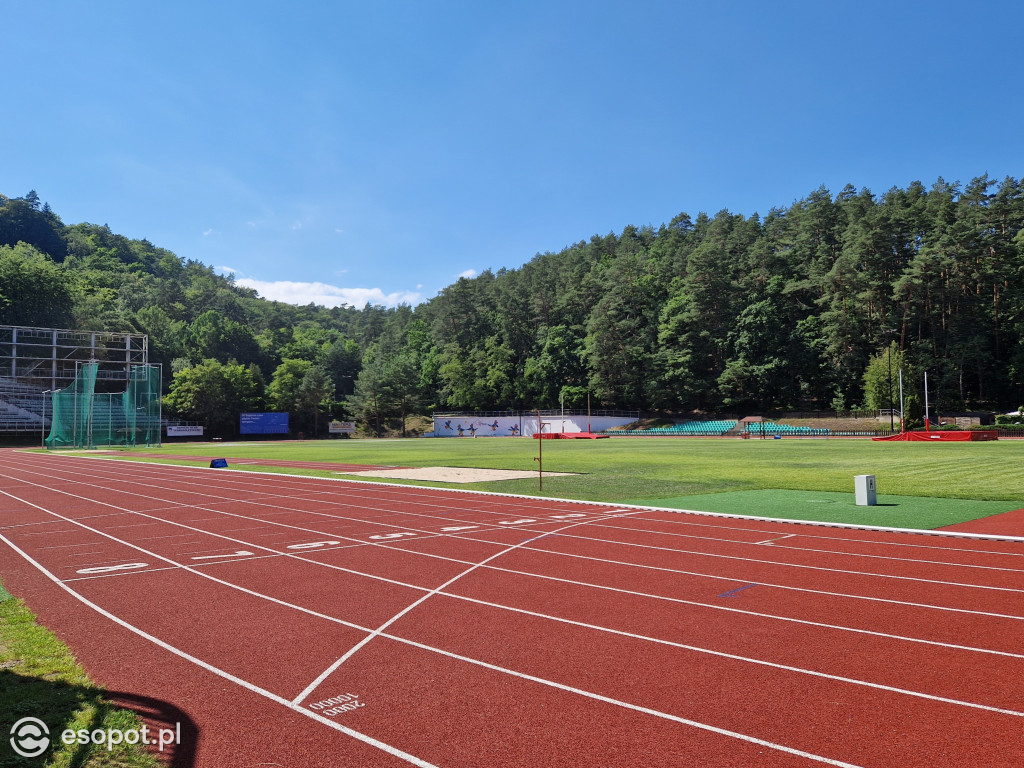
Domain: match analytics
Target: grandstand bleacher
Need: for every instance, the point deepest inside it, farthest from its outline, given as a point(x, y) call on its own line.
point(771, 429)
point(723, 427)
point(23, 407)
point(683, 429)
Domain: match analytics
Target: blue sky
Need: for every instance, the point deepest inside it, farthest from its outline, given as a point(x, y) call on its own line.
point(338, 151)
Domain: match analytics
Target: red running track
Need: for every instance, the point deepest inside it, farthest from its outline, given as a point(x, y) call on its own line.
point(308, 622)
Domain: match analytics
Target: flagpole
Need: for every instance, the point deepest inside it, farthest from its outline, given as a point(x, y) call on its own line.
point(903, 427)
point(926, 401)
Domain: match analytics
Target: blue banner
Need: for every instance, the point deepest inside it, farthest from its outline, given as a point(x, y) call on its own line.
point(263, 423)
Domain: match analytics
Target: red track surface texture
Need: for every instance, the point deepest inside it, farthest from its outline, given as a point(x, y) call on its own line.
point(305, 622)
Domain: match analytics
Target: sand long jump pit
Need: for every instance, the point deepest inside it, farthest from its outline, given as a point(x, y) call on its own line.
point(453, 474)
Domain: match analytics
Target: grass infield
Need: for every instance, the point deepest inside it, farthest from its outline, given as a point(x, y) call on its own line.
point(923, 484)
point(892, 511)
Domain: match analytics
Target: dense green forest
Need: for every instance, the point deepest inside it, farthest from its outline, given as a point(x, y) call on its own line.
point(723, 313)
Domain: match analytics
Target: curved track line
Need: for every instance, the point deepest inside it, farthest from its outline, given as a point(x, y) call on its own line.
point(470, 538)
point(532, 548)
point(388, 748)
point(586, 538)
point(821, 551)
point(394, 751)
point(379, 632)
point(550, 499)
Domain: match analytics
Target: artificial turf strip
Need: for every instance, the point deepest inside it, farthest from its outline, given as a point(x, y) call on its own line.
point(920, 512)
point(40, 678)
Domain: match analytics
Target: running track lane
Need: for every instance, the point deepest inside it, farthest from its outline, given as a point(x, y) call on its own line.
point(578, 641)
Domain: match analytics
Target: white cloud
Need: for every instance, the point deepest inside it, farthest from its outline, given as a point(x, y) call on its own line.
point(468, 273)
point(229, 270)
point(207, 232)
point(326, 295)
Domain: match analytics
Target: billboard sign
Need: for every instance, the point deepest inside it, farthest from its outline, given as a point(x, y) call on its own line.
point(178, 430)
point(263, 423)
point(342, 427)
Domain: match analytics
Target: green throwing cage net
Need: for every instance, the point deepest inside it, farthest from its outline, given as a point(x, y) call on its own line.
point(83, 418)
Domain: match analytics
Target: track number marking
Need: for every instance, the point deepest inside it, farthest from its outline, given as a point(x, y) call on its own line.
point(335, 705)
point(112, 568)
point(239, 553)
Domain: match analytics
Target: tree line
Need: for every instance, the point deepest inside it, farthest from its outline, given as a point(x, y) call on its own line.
point(797, 309)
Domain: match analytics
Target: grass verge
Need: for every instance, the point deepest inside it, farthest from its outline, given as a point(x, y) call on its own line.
point(40, 678)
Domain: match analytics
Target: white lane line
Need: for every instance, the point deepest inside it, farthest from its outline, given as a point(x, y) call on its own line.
point(615, 541)
point(735, 579)
point(535, 549)
point(377, 632)
point(766, 541)
point(633, 707)
point(830, 552)
point(428, 593)
point(420, 502)
point(388, 748)
point(683, 523)
point(590, 585)
point(746, 559)
point(393, 751)
point(820, 551)
point(406, 490)
point(439, 590)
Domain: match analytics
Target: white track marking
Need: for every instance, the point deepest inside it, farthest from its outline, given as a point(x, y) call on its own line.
point(620, 590)
point(644, 546)
point(407, 491)
point(552, 552)
point(387, 747)
point(672, 522)
point(379, 632)
point(239, 553)
point(819, 551)
point(421, 503)
point(795, 565)
point(735, 579)
point(757, 614)
point(394, 751)
point(807, 535)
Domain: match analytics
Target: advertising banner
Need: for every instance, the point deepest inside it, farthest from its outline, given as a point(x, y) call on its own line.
point(263, 423)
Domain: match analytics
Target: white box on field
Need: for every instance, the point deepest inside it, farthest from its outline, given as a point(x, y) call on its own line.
point(864, 488)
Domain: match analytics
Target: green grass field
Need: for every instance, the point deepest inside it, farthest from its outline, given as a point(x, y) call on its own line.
point(919, 484)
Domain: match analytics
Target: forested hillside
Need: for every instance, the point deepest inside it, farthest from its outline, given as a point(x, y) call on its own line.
point(717, 313)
